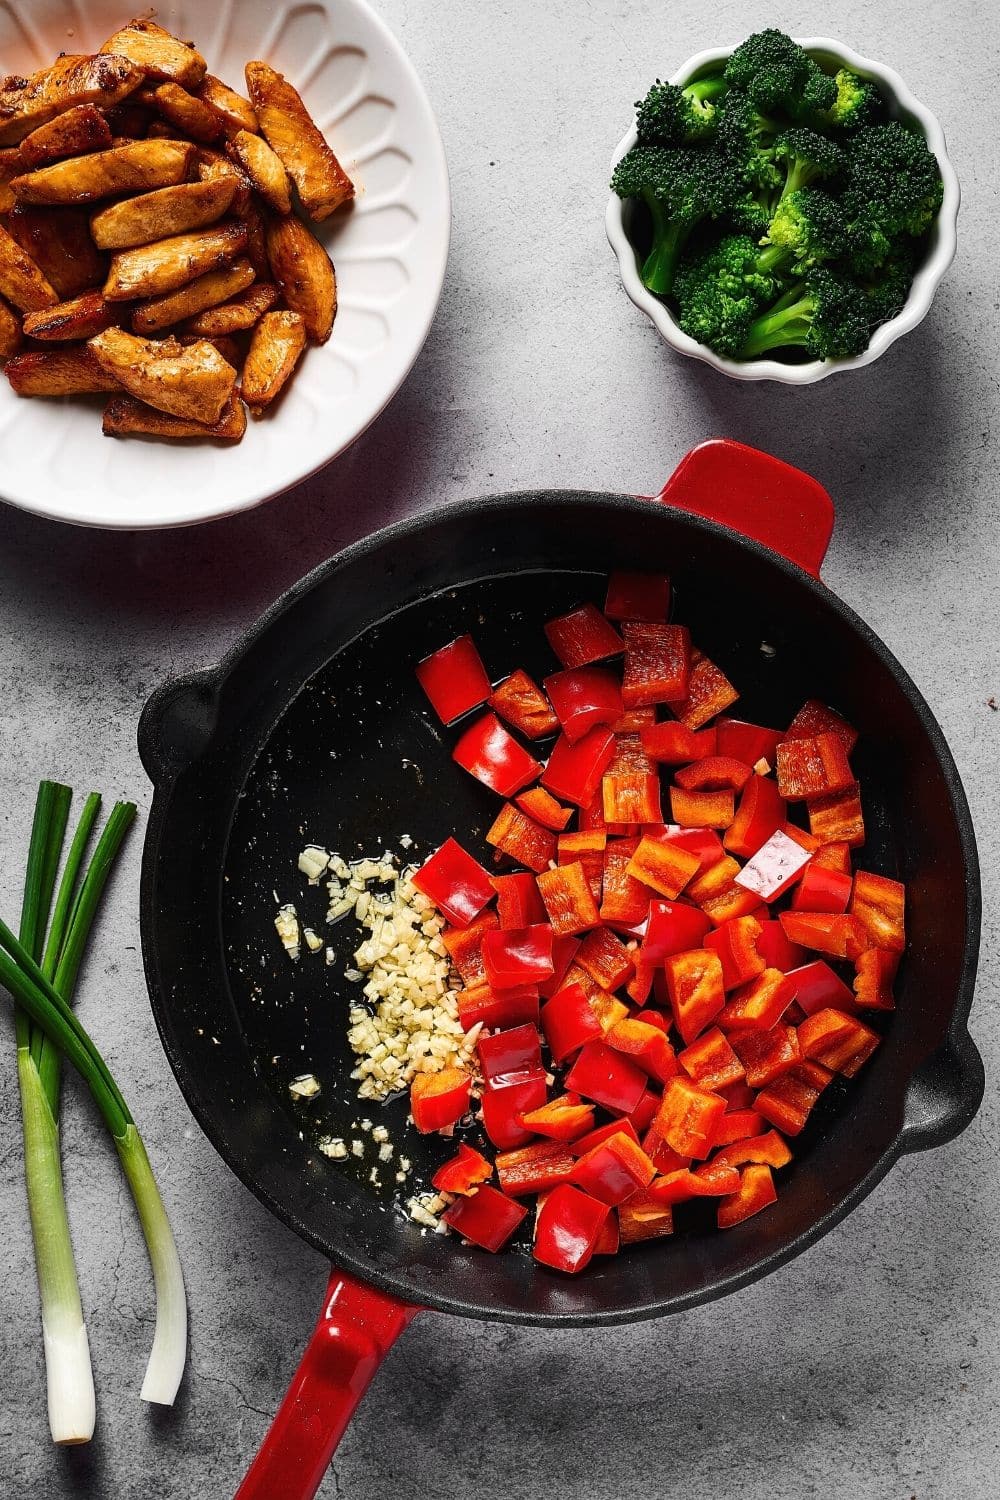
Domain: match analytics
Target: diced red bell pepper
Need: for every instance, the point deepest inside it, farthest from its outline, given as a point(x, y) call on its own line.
point(645, 1044)
point(480, 1005)
point(817, 986)
point(694, 982)
point(526, 841)
point(711, 1062)
point(609, 1079)
point(564, 951)
point(465, 945)
point(606, 1008)
point(736, 944)
point(765, 1055)
point(766, 1149)
point(645, 1111)
point(625, 900)
point(775, 867)
point(520, 701)
point(833, 857)
point(759, 1004)
point(838, 819)
point(605, 958)
point(689, 1117)
point(583, 636)
point(787, 1101)
point(673, 927)
point(508, 1054)
point(504, 1103)
point(631, 797)
point(569, 1225)
point(836, 1041)
point(604, 1133)
point(637, 596)
point(709, 692)
point(775, 949)
point(821, 889)
point(614, 1170)
point(657, 664)
point(609, 1240)
point(640, 985)
point(879, 904)
point(455, 882)
point(756, 1191)
point(760, 814)
point(737, 1125)
point(635, 720)
point(585, 848)
point(840, 936)
point(709, 1181)
point(574, 772)
point(630, 756)
point(518, 955)
point(569, 1021)
point(493, 756)
point(568, 899)
point(486, 1218)
point(815, 718)
point(535, 1168)
point(664, 865)
point(704, 842)
point(737, 1096)
point(747, 742)
point(813, 767)
point(663, 1157)
point(718, 895)
point(715, 773)
point(702, 809)
point(518, 901)
point(674, 744)
point(462, 1172)
point(642, 1218)
point(873, 979)
point(454, 679)
point(563, 1119)
point(583, 697)
point(543, 807)
point(440, 1099)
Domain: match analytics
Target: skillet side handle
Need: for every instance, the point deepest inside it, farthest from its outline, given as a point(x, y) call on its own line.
point(944, 1096)
point(758, 495)
point(355, 1330)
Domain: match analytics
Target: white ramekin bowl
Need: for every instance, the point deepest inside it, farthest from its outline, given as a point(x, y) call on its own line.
point(940, 252)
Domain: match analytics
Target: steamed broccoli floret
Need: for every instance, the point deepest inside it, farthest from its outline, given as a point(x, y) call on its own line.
point(807, 230)
point(889, 288)
point(776, 73)
point(746, 138)
point(680, 186)
point(894, 185)
point(670, 115)
point(807, 157)
point(826, 313)
point(719, 291)
point(856, 101)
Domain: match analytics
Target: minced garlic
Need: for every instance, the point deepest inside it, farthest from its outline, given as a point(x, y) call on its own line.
point(306, 1086)
point(287, 926)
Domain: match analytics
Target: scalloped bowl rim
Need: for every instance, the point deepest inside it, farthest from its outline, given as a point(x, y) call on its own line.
point(925, 282)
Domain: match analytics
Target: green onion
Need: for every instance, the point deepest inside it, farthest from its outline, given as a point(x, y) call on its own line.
point(43, 993)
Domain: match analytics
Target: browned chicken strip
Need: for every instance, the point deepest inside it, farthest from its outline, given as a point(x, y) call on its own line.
point(21, 282)
point(155, 269)
point(134, 168)
point(58, 372)
point(207, 291)
point(185, 112)
point(236, 316)
point(304, 272)
point(124, 416)
point(157, 215)
point(79, 318)
point(191, 381)
point(157, 53)
point(10, 331)
point(278, 342)
point(236, 112)
point(58, 241)
point(264, 169)
point(289, 128)
point(80, 130)
point(26, 103)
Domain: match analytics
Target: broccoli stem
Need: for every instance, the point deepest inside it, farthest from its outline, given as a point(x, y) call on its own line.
point(703, 90)
point(668, 241)
point(786, 322)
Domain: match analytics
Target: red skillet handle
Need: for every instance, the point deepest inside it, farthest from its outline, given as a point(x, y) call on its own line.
point(758, 495)
point(355, 1330)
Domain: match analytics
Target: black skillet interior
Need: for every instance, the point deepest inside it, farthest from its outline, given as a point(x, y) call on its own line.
point(249, 769)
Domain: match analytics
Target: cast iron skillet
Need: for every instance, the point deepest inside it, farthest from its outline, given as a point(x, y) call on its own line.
point(313, 728)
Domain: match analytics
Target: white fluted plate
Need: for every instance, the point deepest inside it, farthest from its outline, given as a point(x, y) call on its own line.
point(389, 250)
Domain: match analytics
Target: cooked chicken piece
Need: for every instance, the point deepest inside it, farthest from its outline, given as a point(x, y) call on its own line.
point(78, 131)
point(129, 121)
point(79, 318)
point(236, 112)
point(21, 281)
point(58, 241)
point(278, 341)
point(58, 372)
point(134, 168)
point(263, 168)
point(124, 416)
point(11, 165)
point(26, 103)
point(257, 255)
point(228, 348)
point(193, 381)
point(236, 316)
point(157, 53)
point(157, 215)
point(288, 126)
point(208, 291)
point(305, 274)
point(155, 269)
point(183, 111)
point(212, 165)
point(10, 331)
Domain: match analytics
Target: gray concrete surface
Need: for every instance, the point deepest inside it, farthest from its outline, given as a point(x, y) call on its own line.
point(867, 1369)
